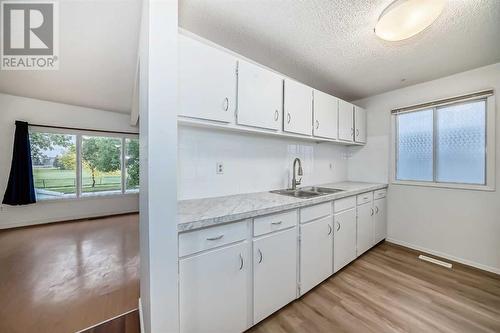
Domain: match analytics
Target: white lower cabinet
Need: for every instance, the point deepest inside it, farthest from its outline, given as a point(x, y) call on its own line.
point(344, 239)
point(316, 244)
point(379, 220)
point(275, 272)
point(365, 227)
point(221, 266)
point(213, 290)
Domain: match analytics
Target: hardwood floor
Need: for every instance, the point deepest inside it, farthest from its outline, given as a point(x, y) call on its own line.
point(70, 276)
point(389, 290)
point(65, 277)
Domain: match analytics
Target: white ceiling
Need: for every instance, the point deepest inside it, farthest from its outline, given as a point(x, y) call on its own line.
point(98, 57)
point(330, 45)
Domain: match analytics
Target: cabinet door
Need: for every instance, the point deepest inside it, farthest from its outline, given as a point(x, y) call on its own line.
point(213, 290)
point(359, 124)
point(275, 272)
point(298, 108)
point(260, 97)
point(365, 227)
point(344, 239)
point(207, 81)
point(316, 253)
point(380, 220)
point(325, 114)
point(346, 119)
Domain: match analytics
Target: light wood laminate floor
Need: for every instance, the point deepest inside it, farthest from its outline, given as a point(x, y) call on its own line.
point(65, 277)
point(389, 290)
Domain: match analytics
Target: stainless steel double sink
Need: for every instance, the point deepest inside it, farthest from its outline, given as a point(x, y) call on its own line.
point(307, 192)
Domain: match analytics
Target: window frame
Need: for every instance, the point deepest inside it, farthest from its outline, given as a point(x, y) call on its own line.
point(490, 140)
point(79, 134)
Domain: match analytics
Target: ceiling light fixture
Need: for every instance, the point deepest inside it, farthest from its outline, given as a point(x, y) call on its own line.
point(403, 19)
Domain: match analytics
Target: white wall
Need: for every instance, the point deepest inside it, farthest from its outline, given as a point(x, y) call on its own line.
point(252, 163)
point(158, 147)
point(461, 225)
point(14, 108)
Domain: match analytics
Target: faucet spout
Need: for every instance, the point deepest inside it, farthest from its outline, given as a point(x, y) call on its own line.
point(300, 172)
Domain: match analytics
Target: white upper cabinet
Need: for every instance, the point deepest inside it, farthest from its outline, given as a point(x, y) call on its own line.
point(346, 121)
point(260, 94)
point(297, 108)
point(316, 253)
point(325, 124)
point(359, 124)
point(207, 81)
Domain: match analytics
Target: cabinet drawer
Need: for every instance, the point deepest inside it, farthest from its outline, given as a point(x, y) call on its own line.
point(344, 204)
point(200, 240)
point(314, 212)
point(378, 194)
point(266, 224)
point(364, 198)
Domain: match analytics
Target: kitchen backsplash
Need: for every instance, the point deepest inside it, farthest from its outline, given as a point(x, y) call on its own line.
point(250, 163)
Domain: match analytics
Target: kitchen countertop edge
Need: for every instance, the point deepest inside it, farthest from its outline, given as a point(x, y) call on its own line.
point(223, 219)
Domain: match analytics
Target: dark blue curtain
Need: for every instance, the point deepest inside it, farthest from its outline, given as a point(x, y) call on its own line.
point(20, 189)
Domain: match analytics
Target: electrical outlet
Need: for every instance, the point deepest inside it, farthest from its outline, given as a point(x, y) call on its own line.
point(219, 168)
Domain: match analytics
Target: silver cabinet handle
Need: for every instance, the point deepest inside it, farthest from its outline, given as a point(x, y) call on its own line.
point(372, 211)
point(357, 132)
point(276, 115)
point(215, 238)
point(376, 210)
point(260, 255)
point(317, 124)
point(289, 117)
point(241, 262)
point(330, 230)
point(338, 226)
point(226, 104)
point(276, 223)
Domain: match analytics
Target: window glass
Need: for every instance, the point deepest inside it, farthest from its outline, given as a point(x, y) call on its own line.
point(461, 143)
point(415, 146)
point(132, 164)
point(101, 164)
point(54, 165)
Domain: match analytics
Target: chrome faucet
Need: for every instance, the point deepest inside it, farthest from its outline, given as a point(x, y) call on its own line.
point(296, 182)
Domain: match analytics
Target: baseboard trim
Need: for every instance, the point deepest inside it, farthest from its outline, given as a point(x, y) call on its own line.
point(445, 256)
point(73, 218)
point(141, 318)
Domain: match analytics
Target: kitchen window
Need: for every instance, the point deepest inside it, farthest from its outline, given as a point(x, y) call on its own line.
point(448, 143)
point(74, 164)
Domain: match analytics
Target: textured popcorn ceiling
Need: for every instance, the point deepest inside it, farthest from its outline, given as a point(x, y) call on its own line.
point(331, 46)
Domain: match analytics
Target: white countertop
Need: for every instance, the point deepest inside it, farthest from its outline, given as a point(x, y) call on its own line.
point(201, 213)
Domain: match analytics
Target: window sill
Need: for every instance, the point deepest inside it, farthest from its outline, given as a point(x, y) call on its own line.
point(89, 197)
point(470, 187)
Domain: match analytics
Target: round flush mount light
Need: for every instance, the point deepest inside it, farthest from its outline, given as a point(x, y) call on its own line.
point(403, 19)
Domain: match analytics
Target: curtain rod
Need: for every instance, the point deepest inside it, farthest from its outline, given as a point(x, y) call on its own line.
point(82, 129)
point(451, 100)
